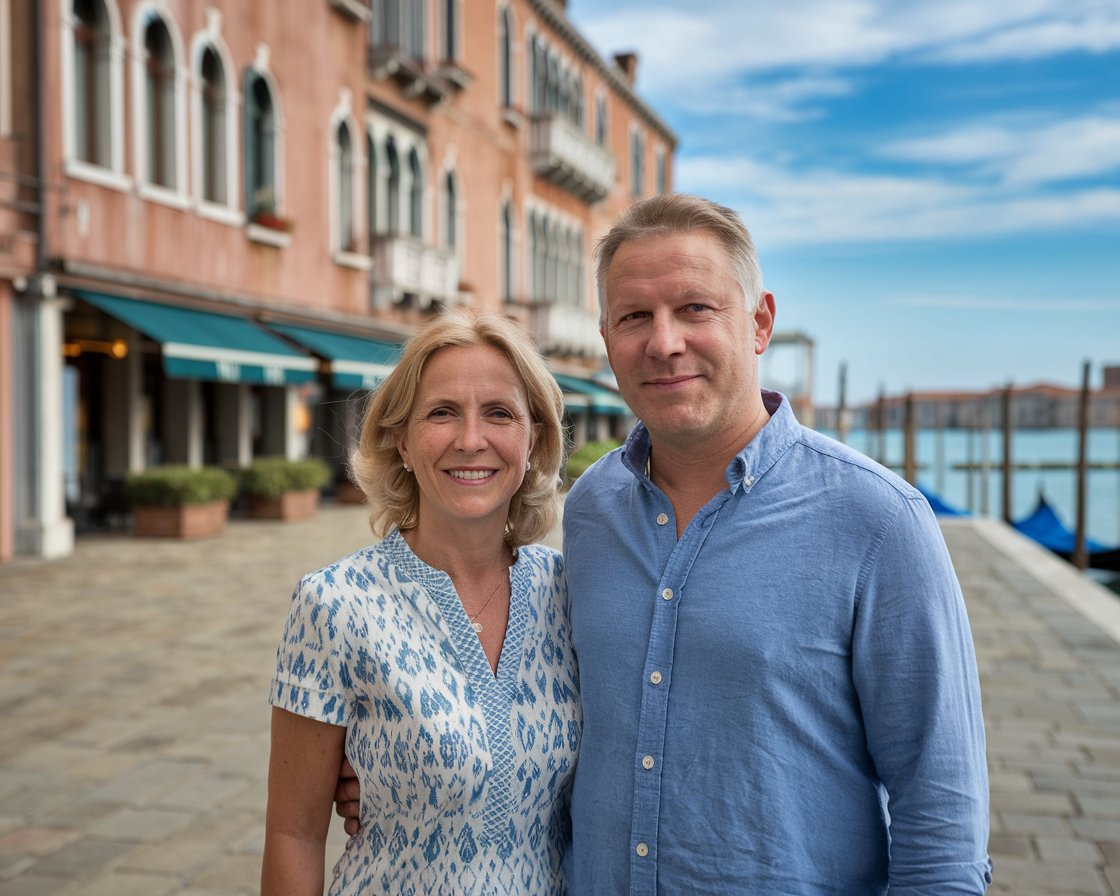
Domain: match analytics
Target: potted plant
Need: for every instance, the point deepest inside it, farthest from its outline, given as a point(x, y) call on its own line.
point(176, 501)
point(264, 211)
point(585, 456)
point(278, 488)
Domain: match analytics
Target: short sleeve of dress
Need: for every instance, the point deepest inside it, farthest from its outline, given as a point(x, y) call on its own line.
point(311, 662)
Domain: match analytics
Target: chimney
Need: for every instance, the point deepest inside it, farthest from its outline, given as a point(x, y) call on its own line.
point(628, 62)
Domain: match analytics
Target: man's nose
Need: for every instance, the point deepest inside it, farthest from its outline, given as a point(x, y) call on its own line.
point(665, 338)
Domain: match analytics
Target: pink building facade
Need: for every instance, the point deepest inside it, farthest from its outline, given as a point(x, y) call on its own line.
point(219, 220)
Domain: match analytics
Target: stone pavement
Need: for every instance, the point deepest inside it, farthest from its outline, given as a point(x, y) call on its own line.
point(134, 721)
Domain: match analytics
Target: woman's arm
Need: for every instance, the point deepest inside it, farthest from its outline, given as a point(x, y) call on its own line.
point(302, 773)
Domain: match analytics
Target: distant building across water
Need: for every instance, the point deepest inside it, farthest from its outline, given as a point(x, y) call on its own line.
point(1035, 406)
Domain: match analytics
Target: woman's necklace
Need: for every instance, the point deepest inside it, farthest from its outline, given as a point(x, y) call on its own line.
point(475, 624)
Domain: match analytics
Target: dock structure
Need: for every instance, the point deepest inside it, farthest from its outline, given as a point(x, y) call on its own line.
point(134, 676)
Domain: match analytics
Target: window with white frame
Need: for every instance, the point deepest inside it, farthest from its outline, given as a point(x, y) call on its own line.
point(450, 204)
point(401, 25)
point(637, 161)
point(555, 259)
point(212, 128)
point(91, 83)
point(662, 169)
point(601, 119)
point(505, 241)
point(415, 195)
point(450, 30)
point(372, 191)
point(159, 112)
point(393, 191)
point(505, 57)
point(343, 158)
point(262, 147)
point(555, 87)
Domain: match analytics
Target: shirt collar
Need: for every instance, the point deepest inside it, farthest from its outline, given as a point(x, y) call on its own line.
point(749, 465)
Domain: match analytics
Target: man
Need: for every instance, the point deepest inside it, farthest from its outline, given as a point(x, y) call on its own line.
point(778, 680)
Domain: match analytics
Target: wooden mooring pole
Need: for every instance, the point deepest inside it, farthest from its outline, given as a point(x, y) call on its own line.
point(1080, 554)
point(909, 465)
point(1007, 427)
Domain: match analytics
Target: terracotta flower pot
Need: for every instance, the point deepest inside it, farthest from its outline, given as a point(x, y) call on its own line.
point(188, 521)
point(289, 506)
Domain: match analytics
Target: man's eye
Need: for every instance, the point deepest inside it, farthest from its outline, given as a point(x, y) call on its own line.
point(696, 307)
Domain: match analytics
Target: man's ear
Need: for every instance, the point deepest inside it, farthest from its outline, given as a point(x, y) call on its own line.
point(763, 322)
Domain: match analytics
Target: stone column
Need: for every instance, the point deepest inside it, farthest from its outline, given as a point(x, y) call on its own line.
point(43, 529)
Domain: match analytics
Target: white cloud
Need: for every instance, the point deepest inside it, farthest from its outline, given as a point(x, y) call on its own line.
point(1009, 304)
point(733, 40)
point(792, 207)
point(1023, 154)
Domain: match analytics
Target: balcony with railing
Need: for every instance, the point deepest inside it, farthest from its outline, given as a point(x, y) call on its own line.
point(565, 155)
point(406, 268)
point(565, 330)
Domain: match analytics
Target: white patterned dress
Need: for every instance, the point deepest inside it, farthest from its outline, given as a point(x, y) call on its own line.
point(465, 775)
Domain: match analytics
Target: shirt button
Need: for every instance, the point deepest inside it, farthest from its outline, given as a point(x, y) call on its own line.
point(647, 762)
point(748, 481)
point(662, 519)
point(642, 850)
point(655, 678)
point(667, 594)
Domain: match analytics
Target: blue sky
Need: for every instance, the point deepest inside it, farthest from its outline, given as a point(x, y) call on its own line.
point(933, 185)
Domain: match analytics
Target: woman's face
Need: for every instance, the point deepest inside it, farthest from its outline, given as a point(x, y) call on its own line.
point(468, 437)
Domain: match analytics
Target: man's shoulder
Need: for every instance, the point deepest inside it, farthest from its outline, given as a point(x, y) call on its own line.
point(856, 471)
point(607, 472)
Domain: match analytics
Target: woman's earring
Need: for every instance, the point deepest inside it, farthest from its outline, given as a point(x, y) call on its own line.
point(528, 465)
point(407, 468)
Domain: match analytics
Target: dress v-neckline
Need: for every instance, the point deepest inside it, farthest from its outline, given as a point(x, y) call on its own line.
point(457, 622)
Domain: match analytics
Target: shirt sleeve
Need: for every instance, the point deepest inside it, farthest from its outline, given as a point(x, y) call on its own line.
point(312, 659)
point(915, 671)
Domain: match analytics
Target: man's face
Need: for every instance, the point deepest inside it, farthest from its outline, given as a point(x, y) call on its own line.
point(681, 341)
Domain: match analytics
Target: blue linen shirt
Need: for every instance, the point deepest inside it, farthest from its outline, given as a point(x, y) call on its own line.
point(784, 700)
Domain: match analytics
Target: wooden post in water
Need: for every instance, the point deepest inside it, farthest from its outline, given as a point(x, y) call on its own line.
point(984, 471)
point(881, 426)
point(1007, 424)
point(908, 466)
point(841, 405)
point(1080, 554)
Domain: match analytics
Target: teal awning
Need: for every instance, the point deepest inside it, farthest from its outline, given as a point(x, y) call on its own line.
point(201, 345)
point(356, 362)
point(596, 398)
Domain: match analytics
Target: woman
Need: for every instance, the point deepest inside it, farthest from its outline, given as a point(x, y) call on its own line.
point(438, 660)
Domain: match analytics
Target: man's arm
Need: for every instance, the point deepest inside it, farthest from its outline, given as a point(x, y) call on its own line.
point(302, 772)
point(914, 666)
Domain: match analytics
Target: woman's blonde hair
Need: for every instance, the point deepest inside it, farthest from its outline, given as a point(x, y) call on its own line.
point(376, 465)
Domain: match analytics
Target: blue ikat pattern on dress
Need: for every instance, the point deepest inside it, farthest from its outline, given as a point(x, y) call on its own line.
point(465, 774)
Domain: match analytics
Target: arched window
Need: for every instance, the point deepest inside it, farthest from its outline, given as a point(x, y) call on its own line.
point(601, 120)
point(415, 195)
point(505, 50)
point(450, 212)
point(213, 126)
point(393, 197)
point(506, 239)
point(344, 180)
point(260, 147)
point(159, 103)
point(91, 83)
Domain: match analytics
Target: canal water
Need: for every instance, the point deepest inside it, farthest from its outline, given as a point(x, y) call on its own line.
point(938, 452)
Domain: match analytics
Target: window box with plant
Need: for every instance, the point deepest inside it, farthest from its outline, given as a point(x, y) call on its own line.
point(180, 502)
point(264, 214)
point(282, 489)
